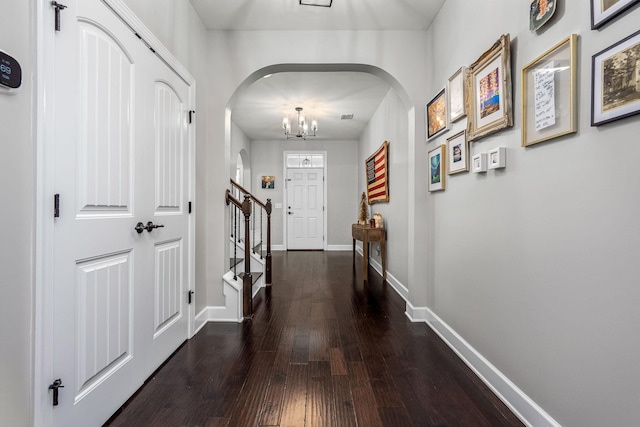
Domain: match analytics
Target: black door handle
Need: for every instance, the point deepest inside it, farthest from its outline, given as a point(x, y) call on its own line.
point(150, 226)
point(55, 386)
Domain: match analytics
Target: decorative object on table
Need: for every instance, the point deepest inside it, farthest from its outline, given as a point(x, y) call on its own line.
point(457, 95)
point(615, 81)
point(479, 163)
point(379, 221)
point(458, 153)
point(489, 86)
point(437, 159)
point(540, 13)
point(363, 212)
point(603, 11)
point(497, 158)
point(436, 115)
point(268, 181)
point(376, 168)
point(549, 93)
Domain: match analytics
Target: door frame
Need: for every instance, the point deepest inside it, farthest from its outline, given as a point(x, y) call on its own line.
point(285, 231)
point(43, 257)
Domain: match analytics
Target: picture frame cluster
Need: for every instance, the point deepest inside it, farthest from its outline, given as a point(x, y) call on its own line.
point(482, 92)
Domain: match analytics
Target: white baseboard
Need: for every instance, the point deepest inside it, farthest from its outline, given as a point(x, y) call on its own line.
point(339, 247)
point(522, 405)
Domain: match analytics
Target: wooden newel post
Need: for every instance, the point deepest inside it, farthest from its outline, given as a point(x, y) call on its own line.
point(268, 257)
point(247, 280)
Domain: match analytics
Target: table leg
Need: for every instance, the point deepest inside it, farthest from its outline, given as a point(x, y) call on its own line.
point(383, 253)
point(365, 259)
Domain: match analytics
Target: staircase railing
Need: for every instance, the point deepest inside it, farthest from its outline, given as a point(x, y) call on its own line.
point(262, 213)
point(247, 279)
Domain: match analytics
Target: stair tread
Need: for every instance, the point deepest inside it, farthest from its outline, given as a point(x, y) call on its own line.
point(235, 261)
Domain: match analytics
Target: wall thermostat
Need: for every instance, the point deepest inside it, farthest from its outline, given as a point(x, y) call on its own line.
point(10, 72)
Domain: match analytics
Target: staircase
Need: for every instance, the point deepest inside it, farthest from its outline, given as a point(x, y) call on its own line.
point(250, 255)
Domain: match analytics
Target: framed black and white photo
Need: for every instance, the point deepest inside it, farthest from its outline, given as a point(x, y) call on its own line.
point(458, 153)
point(615, 81)
point(603, 11)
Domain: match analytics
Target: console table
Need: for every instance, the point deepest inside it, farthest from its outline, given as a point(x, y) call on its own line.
point(367, 234)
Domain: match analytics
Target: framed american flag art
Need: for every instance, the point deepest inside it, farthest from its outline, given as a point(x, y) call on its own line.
point(378, 175)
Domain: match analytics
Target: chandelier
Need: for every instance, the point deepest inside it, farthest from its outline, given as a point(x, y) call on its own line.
point(303, 127)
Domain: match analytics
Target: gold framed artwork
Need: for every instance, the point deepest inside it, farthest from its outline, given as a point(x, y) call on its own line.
point(489, 86)
point(458, 153)
point(437, 162)
point(436, 115)
point(457, 95)
point(603, 11)
point(615, 81)
point(549, 93)
point(377, 170)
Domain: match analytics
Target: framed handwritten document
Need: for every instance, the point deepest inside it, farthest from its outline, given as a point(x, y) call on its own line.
point(549, 94)
point(376, 168)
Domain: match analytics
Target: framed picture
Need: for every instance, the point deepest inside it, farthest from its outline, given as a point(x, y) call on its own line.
point(540, 13)
point(268, 182)
point(489, 85)
point(615, 81)
point(376, 168)
point(603, 11)
point(549, 94)
point(458, 153)
point(436, 111)
point(497, 158)
point(437, 159)
point(457, 99)
point(479, 163)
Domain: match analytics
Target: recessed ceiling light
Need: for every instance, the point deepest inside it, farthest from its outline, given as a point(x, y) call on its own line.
point(267, 76)
point(322, 3)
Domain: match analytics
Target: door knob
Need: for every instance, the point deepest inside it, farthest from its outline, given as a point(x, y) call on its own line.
point(140, 227)
point(55, 386)
point(150, 226)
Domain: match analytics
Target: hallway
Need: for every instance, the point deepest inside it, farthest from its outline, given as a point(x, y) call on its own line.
point(322, 350)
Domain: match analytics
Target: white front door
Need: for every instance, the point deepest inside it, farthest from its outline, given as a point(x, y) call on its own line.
point(305, 208)
point(119, 296)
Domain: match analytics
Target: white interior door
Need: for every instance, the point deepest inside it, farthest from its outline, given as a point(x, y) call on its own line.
point(119, 306)
point(305, 208)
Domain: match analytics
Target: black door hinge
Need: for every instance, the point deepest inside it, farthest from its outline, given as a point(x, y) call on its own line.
point(58, 7)
point(56, 206)
point(191, 113)
point(190, 296)
point(189, 207)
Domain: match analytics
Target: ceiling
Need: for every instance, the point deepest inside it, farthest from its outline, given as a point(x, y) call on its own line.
point(324, 96)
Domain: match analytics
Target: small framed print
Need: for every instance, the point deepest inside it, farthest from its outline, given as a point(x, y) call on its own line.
point(268, 182)
point(457, 99)
point(615, 81)
point(497, 158)
point(540, 13)
point(458, 153)
point(549, 94)
point(479, 163)
point(436, 112)
point(603, 11)
point(489, 85)
point(437, 158)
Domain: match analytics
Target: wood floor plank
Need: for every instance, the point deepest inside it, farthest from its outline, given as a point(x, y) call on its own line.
point(322, 349)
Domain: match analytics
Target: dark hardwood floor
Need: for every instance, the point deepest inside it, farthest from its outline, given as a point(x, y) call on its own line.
point(322, 350)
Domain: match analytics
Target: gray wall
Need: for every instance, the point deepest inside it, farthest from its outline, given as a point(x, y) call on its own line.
point(342, 188)
point(17, 189)
point(536, 266)
point(389, 123)
point(240, 144)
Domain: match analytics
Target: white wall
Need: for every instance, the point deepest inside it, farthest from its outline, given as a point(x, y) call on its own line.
point(389, 123)
point(536, 266)
point(17, 187)
point(240, 144)
point(342, 189)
